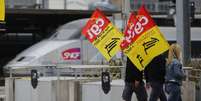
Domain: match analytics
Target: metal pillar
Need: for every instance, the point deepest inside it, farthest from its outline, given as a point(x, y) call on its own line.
point(183, 29)
point(125, 11)
point(125, 15)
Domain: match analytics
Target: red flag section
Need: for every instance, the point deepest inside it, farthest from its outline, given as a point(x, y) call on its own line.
point(97, 23)
point(145, 18)
point(136, 26)
point(129, 33)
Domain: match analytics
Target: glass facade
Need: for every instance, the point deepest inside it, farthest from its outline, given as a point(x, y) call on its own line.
point(151, 5)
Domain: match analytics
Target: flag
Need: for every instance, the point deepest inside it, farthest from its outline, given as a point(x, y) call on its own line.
point(2, 10)
point(131, 32)
point(103, 34)
point(145, 41)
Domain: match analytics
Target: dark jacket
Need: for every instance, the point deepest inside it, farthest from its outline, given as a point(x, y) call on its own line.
point(155, 70)
point(132, 73)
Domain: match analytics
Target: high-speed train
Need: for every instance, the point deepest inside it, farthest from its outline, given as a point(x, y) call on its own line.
point(68, 46)
point(65, 46)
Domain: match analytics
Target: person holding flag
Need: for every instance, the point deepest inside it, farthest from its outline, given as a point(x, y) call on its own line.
point(133, 76)
point(133, 83)
point(155, 78)
point(143, 42)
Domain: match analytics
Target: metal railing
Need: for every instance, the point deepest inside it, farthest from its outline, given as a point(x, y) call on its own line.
point(77, 71)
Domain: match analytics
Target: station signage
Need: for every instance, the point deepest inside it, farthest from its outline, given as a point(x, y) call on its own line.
point(71, 54)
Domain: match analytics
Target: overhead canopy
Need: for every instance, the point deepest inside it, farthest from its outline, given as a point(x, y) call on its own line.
point(42, 20)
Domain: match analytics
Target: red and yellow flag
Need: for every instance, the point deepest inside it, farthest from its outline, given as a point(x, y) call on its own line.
point(143, 40)
point(2, 10)
point(103, 34)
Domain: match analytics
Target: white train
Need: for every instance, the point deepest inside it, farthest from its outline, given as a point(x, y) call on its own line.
point(65, 46)
point(68, 46)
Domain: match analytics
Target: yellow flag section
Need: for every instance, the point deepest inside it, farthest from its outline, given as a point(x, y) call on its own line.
point(2, 10)
point(148, 46)
point(103, 34)
point(147, 41)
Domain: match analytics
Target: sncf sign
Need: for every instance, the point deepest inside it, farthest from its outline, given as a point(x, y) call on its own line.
point(71, 54)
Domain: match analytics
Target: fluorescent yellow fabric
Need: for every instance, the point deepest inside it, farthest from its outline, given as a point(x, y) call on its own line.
point(146, 47)
point(2, 10)
point(109, 41)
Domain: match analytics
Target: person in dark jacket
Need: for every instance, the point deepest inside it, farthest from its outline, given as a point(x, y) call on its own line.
point(133, 83)
point(155, 78)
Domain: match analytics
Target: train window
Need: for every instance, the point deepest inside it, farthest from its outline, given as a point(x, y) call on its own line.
point(66, 34)
point(69, 31)
point(20, 59)
point(76, 35)
point(25, 58)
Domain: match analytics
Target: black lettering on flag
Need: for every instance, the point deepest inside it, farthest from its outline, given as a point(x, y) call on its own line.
point(150, 44)
point(140, 59)
point(111, 45)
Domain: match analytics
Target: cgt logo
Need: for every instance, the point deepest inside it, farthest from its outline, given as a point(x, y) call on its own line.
point(71, 54)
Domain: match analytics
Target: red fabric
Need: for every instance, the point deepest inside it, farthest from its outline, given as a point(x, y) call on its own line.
point(97, 14)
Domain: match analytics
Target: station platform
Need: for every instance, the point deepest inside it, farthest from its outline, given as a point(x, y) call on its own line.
point(92, 91)
point(71, 89)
